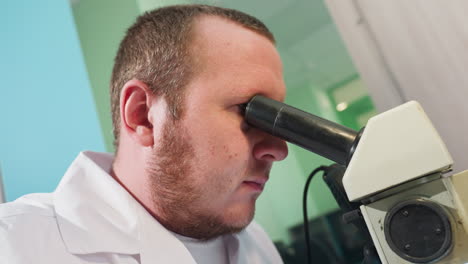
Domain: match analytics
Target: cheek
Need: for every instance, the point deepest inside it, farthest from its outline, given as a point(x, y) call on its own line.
point(220, 144)
point(220, 139)
point(222, 157)
point(228, 147)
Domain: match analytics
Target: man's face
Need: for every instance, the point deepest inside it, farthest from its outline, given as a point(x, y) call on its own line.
point(209, 167)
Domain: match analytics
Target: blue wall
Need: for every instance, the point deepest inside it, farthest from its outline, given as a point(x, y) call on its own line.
point(47, 112)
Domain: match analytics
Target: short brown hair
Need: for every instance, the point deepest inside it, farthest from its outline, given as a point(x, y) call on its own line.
point(155, 50)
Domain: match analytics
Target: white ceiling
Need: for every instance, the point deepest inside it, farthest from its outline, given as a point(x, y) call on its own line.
point(310, 46)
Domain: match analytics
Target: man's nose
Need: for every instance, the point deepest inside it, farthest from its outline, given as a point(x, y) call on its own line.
point(270, 148)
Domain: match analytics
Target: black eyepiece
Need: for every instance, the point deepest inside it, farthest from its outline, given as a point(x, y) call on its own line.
point(325, 138)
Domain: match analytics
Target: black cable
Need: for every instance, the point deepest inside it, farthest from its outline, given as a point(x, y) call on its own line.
point(304, 209)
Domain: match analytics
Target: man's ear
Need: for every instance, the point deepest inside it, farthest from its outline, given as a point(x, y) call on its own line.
point(135, 103)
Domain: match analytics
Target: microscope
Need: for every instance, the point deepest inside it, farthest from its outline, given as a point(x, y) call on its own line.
point(392, 179)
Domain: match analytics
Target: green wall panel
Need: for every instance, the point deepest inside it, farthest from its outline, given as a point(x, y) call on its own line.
point(321, 200)
point(101, 24)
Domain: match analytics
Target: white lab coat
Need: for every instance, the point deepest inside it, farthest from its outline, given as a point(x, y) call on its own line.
point(90, 218)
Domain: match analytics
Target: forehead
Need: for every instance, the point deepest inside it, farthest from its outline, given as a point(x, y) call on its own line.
point(225, 49)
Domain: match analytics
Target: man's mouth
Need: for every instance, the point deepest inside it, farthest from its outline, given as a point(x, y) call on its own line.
point(257, 184)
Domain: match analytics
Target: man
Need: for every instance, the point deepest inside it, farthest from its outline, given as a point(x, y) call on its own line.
point(187, 171)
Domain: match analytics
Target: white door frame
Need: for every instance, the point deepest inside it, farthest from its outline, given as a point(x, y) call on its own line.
point(366, 55)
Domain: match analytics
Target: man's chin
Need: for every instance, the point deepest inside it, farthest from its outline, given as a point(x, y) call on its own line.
point(239, 219)
point(209, 226)
point(228, 228)
point(231, 222)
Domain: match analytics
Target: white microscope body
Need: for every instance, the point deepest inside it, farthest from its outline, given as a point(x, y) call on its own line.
point(414, 211)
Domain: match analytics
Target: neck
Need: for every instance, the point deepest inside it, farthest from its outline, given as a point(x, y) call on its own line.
point(128, 170)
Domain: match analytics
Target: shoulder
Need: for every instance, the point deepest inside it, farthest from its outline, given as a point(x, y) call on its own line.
point(27, 225)
point(39, 204)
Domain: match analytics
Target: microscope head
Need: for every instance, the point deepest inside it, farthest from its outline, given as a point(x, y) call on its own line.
point(396, 147)
point(414, 212)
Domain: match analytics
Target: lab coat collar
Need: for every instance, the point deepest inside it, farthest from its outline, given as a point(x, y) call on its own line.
point(95, 214)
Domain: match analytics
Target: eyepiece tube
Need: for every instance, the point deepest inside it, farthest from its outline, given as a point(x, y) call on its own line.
point(325, 138)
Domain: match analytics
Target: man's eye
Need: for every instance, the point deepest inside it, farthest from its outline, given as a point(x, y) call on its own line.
point(242, 107)
point(244, 126)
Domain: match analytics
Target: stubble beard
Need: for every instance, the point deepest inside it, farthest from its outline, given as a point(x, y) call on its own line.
point(175, 195)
